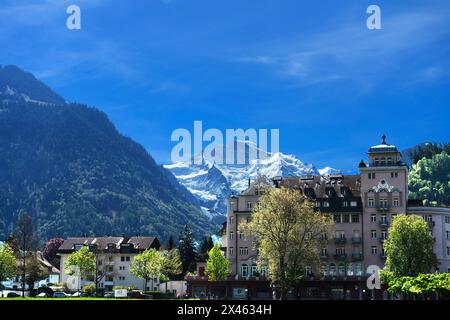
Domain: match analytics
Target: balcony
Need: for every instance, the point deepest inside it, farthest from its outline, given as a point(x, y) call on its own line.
point(383, 208)
point(356, 240)
point(340, 240)
point(357, 256)
point(341, 256)
point(384, 223)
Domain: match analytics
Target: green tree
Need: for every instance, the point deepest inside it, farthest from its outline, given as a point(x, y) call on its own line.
point(409, 247)
point(186, 247)
point(82, 262)
point(8, 263)
point(35, 271)
point(26, 241)
point(217, 266)
point(171, 265)
point(288, 234)
point(206, 245)
point(429, 179)
point(147, 265)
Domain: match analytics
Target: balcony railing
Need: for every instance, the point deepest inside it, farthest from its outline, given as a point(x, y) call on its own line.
point(341, 256)
point(384, 223)
point(340, 240)
point(356, 240)
point(356, 256)
point(383, 207)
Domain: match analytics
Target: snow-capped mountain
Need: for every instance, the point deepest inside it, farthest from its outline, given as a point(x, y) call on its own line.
point(213, 183)
point(328, 170)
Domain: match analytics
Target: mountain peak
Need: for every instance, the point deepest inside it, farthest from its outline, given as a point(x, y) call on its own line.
point(17, 84)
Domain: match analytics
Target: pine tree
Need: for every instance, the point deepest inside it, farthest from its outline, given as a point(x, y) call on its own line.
point(186, 247)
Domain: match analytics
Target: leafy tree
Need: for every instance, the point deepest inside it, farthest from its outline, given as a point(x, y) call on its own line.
point(8, 262)
point(186, 247)
point(217, 266)
point(288, 233)
point(428, 150)
point(437, 283)
point(26, 241)
point(34, 271)
point(147, 265)
point(51, 248)
point(409, 247)
point(171, 265)
point(82, 262)
point(429, 179)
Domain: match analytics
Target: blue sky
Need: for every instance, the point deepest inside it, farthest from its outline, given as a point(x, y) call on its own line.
point(314, 71)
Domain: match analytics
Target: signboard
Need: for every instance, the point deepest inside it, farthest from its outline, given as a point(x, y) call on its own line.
point(120, 293)
point(239, 293)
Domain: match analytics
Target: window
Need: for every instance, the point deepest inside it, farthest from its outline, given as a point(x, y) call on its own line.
point(241, 236)
point(243, 251)
point(383, 203)
point(383, 219)
point(122, 259)
point(353, 203)
point(345, 204)
point(396, 202)
point(340, 251)
point(249, 219)
point(231, 251)
point(231, 235)
point(448, 251)
point(350, 269)
point(394, 174)
point(373, 234)
point(372, 175)
point(355, 218)
point(383, 253)
point(393, 216)
point(371, 203)
point(308, 235)
point(341, 269)
point(317, 205)
point(332, 269)
point(448, 234)
point(323, 252)
point(323, 236)
point(340, 234)
point(264, 271)
point(374, 250)
point(346, 218)
point(337, 218)
point(127, 258)
point(358, 269)
point(231, 220)
point(447, 219)
point(254, 271)
point(373, 218)
point(308, 271)
point(384, 235)
point(249, 205)
point(244, 270)
point(326, 204)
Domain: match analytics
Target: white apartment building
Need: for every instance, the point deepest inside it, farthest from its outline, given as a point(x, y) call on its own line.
point(114, 257)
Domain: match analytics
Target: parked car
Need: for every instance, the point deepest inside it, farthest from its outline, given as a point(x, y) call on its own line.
point(60, 295)
point(13, 295)
point(136, 294)
point(109, 295)
point(42, 295)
